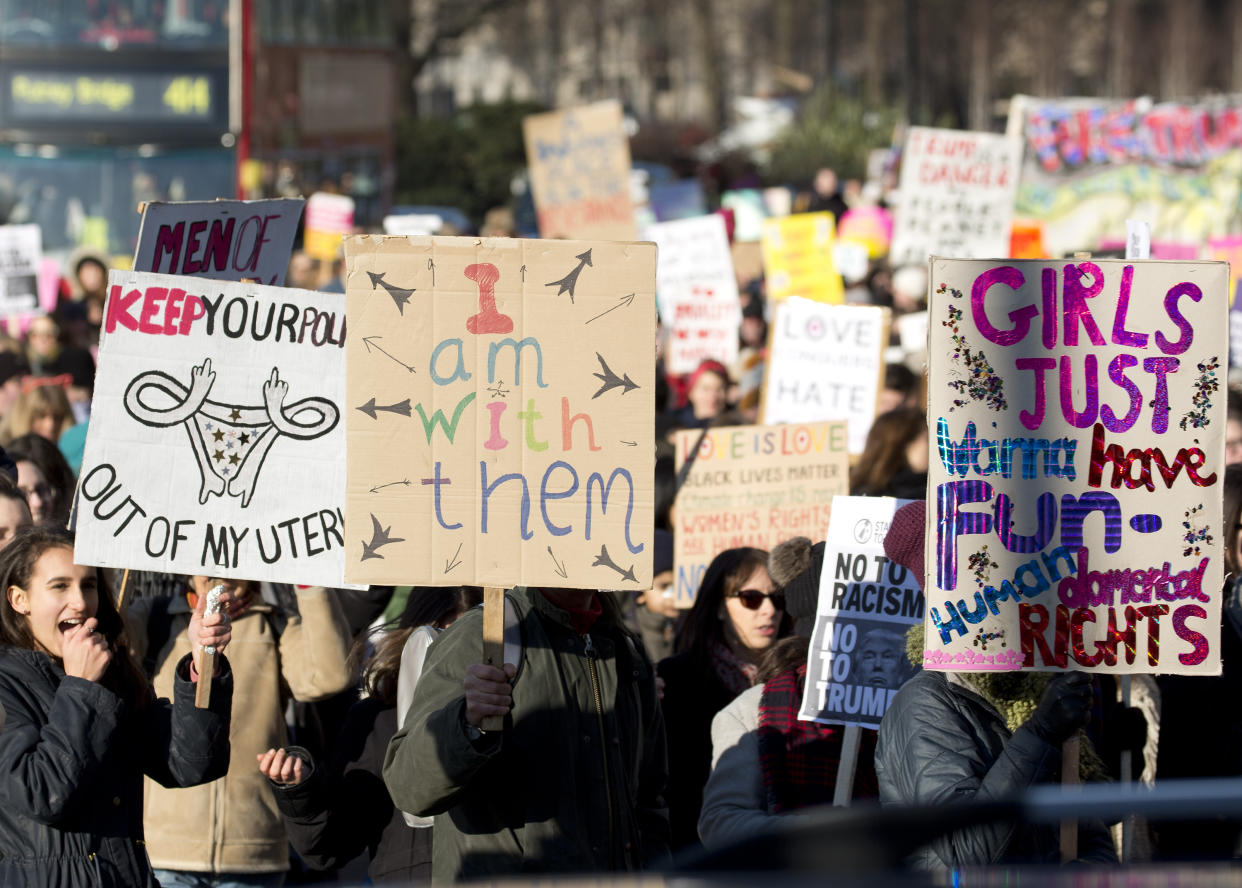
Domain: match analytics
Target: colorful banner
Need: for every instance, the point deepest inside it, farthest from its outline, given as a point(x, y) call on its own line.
point(797, 258)
point(697, 292)
point(1094, 163)
point(224, 240)
point(1078, 418)
point(957, 195)
point(825, 362)
point(579, 163)
point(753, 486)
point(857, 660)
point(215, 443)
point(21, 251)
point(500, 403)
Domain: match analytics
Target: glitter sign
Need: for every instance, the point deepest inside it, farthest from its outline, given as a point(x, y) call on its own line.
point(1077, 414)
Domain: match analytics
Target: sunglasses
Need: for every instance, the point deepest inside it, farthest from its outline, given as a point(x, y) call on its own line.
point(752, 599)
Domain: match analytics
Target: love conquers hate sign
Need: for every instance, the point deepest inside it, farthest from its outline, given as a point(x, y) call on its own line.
point(499, 402)
point(1077, 415)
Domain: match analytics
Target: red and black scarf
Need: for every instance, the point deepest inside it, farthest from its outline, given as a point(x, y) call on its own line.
point(799, 759)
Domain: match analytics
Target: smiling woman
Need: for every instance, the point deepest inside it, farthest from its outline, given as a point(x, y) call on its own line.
point(83, 725)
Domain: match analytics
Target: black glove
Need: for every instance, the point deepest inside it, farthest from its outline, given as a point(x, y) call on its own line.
point(1064, 708)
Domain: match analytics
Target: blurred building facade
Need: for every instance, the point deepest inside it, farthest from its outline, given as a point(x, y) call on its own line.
point(942, 61)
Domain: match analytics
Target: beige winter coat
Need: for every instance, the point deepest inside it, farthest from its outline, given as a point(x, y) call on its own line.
point(232, 825)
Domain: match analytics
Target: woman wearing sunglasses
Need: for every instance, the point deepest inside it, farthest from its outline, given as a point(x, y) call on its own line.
point(737, 615)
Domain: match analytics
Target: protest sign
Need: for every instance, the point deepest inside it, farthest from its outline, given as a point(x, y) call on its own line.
point(1078, 414)
point(825, 362)
point(1093, 163)
point(500, 398)
point(697, 292)
point(870, 226)
point(1026, 239)
point(753, 486)
point(749, 212)
point(579, 161)
point(215, 444)
point(329, 217)
point(224, 240)
point(683, 199)
point(21, 248)
point(1229, 249)
point(857, 659)
point(797, 258)
point(957, 195)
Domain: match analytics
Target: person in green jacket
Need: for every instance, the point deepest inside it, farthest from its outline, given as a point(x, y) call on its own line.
point(574, 780)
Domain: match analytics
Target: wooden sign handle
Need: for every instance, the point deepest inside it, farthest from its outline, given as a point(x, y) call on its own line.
point(120, 595)
point(207, 656)
point(206, 669)
point(494, 642)
point(1069, 777)
point(843, 792)
point(1127, 766)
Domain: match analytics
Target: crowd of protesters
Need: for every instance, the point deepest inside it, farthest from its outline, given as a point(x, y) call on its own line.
point(351, 724)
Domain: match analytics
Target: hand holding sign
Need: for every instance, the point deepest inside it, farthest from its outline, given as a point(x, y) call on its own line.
point(212, 629)
point(1064, 707)
point(488, 693)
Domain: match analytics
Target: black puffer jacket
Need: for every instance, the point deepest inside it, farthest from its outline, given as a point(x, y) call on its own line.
point(941, 742)
point(344, 808)
point(72, 756)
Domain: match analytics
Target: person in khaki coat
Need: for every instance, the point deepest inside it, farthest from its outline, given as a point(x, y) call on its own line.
point(230, 832)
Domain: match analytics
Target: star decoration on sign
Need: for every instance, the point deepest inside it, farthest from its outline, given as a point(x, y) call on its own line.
point(499, 390)
point(234, 459)
point(218, 455)
point(218, 435)
point(235, 415)
point(244, 438)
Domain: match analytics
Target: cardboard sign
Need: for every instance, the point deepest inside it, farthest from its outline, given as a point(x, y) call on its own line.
point(329, 217)
point(500, 403)
point(697, 292)
point(826, 362)
point(797, 258)
point(21, 248)
point(215, 444)
point(579, 162)
point(957, 195)
point(1077, 414)
point(857, 660)
point(225, 240)
point(753, 486)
